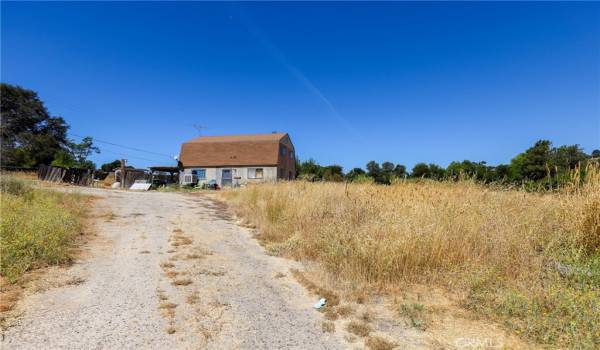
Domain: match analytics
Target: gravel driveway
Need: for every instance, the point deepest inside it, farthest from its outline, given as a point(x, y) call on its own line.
point(168, 271)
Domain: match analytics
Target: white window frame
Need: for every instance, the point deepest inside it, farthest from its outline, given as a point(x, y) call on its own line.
point(252, 173)
point(196, 175)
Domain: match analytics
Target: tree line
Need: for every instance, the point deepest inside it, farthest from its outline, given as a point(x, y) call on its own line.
point(541, 164)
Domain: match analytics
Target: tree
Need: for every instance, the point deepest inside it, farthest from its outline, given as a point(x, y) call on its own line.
point(333, 173)
point(436, 172)
point(108, 167)
point(534, 163)
point(309, 170)
point(64, 159)
point(567, 157)
point(420, 170)
point(596, 153)
point(30, 136)
point(400, 171)
point(81, 151)
point(501, 172)
point(373, 169)
point(387, 167)
point(355, 173)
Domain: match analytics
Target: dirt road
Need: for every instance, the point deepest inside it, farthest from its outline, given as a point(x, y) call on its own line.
point(171, 271)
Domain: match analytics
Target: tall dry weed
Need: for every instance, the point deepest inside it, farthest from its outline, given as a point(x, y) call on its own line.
point(499, 244)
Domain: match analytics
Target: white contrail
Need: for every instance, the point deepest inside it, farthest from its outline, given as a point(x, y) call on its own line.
point(253, 28)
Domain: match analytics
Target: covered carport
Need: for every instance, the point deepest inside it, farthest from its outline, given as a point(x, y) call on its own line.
point(164, 175)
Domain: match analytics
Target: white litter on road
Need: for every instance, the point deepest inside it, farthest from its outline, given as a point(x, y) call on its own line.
point(140, 186)
point(320, 303)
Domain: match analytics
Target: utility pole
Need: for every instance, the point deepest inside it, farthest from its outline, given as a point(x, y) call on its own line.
point(123, 173)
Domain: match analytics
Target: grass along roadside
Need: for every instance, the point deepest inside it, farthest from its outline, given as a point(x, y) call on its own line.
point(531, 261)
point(37, 226)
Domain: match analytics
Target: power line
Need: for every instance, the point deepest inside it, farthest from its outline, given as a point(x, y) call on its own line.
point(127, 147)
point(123, 155)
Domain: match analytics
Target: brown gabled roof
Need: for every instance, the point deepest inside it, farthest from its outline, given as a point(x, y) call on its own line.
point(234, 150)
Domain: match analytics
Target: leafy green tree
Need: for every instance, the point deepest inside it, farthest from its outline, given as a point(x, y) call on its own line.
point(420, 170)
point(515, 169)
point(387, 173)
point(475, 170)
point(108, 167)
point(534, 163)
point(596, 153)
point(30, 136)
point(567, 157)
point(501, 173)
point(81, 151)
point(333, 173)
point(64, 159)
point(373, 169)
point(355, 173)
point(436, 172)
point(400, 171)
point(387, 167)
point(310, 170)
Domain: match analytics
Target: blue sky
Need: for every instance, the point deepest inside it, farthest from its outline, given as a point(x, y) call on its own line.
point(351, 82)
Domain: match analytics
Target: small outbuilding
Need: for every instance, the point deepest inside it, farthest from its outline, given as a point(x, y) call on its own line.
point(237, 159)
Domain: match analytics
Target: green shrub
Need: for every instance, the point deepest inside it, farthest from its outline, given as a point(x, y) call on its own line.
point(10, 185)
point(37, 227)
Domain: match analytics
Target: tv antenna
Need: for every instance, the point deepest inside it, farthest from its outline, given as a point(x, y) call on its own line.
point(200, 128)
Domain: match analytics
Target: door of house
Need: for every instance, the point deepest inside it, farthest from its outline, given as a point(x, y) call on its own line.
point(226, 177)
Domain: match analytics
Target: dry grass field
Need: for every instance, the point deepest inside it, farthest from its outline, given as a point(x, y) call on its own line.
point(530, 261)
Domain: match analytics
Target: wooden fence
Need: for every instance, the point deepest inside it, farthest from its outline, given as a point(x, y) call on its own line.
point(81, 177)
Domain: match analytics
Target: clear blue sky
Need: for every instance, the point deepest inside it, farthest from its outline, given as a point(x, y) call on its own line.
point(351, 82)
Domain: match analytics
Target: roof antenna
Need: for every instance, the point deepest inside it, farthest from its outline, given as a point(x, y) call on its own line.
point(199, 128)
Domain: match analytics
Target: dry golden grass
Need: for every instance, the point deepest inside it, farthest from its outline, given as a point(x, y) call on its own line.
point(182, 282)
point(332, 298)
point(359, 328)
point(9, 295)
point(334, 312)
point(180, 240)
point(167, 305)
point(378, 343)
point(193, 298)
point(530, 260)
point(167, 265)
point(328, 327)
point(193, 256)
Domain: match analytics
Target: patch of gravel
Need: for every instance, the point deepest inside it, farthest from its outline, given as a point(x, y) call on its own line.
point(232, 302)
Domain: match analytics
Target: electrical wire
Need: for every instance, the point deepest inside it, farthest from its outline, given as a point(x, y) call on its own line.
point(127, 147)
point(122, 155)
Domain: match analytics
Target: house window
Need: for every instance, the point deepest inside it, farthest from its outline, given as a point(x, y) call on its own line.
point(199, 173)
point(255, 173)
point(283, 150)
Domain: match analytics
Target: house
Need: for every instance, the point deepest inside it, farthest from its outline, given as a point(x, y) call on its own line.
point(237, 159)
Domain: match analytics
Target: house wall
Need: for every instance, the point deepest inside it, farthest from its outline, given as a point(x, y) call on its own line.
point(269, 174)
point(286, 160)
